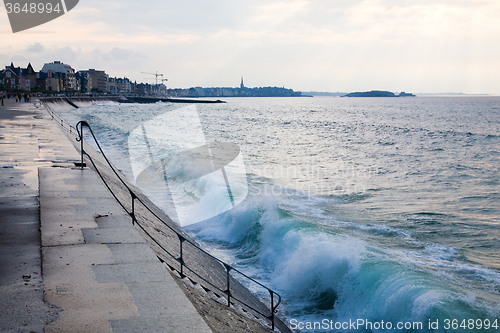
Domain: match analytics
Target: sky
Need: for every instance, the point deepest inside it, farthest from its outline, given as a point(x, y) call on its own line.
point(306, 45)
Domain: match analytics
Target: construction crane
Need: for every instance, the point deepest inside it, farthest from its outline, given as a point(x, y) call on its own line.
point(156, 87)
point(156, 76)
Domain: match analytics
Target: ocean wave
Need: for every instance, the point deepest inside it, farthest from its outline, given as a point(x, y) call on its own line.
point(328, 272)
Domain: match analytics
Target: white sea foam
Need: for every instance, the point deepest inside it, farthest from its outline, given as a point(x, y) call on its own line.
point(106, 103)
point(322, 273)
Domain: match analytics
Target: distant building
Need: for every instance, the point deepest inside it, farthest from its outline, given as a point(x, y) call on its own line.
point(9, 79)
point(64, 71)
point(83, 82)
point(50, 80)
point(198, 92)
point(14, 78)
point(123, 86)
point(112, 88)
point(31, 75)
point(134, 87)
point(162, 90)
point(99, 79)
point(145, 89)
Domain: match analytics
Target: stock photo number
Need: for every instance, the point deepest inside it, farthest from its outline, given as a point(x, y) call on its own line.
point(32, 8)
point(470, 324)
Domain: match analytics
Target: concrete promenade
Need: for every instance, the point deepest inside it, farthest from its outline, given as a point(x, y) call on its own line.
point(99, 275)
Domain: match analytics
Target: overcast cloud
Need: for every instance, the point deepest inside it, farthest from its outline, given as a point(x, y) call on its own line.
point(324, 45)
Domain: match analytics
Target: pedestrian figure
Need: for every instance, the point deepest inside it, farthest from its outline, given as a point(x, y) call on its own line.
point(16, 99)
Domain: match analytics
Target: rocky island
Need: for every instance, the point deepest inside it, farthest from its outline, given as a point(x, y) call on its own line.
point(378, 93)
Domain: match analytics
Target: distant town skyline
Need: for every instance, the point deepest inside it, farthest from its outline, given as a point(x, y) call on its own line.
point(60, 78)
point(317, 45)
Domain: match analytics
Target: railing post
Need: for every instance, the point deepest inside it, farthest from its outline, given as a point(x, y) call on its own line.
point(272, 308)
point(228, 291)
point(132, 214)
point(181, 259)
point(81, 145)
point(80, 138)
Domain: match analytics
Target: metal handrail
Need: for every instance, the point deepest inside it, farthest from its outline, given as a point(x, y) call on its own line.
point(182, 238)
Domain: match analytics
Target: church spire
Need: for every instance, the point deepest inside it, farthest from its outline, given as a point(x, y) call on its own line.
point(242, 86)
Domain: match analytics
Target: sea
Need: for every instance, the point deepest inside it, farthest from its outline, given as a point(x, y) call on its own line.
point(364, 214)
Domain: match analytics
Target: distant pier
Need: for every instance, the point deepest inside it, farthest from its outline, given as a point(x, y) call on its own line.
point(148, 100)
